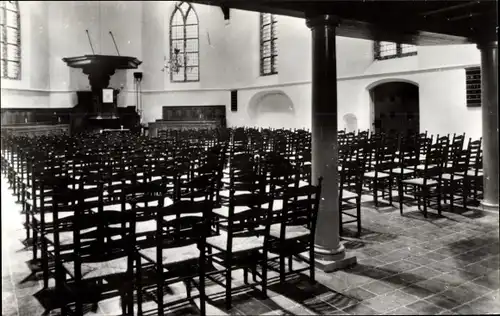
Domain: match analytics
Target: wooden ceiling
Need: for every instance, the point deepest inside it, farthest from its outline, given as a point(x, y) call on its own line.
point(422, 22)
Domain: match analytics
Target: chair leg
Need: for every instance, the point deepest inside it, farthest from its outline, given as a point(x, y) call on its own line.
point(290, 263)
point(228, 287)
point(282, 268)
point(159, 289)
point(400, 193)
point(138, 286)
point(425, 206)
point(264, 276)
point(312, 271)
point(202, 295)
point(245, 275)
point(464, 194)
point(358, 215)
point(375, 197)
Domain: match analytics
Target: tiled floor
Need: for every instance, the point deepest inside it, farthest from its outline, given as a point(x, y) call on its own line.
point(406, 265)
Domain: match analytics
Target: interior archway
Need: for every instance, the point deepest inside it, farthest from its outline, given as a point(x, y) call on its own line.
point(272, 109)
point(395, 107)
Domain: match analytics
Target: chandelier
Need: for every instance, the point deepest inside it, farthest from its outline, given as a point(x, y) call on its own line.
point(176, 62)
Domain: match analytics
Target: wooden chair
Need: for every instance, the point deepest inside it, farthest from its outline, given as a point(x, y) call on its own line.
point(427, 182)
point(244, 245)
point(293, 227)
point(102, 258)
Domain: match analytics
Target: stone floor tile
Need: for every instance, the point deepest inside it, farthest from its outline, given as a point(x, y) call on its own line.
point(371, 262)
point(466, 310)
point(418, 291)
point(401, 311)
point(451, 279)
point(392, 300)
point(490, 280)
point(425, 307)
point(421, 260)
point(466, 292)
point(399, 266)
point(395, 255)
point(435, 255)
point(489, 303)
point(359, 294)
point(434, 285)
point(360, 309)
point(379, 287)
point(442, 301)
point(339, 301)
point(477, 269)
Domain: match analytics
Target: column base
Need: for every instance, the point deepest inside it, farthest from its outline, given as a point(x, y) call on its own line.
point(331, 260)
point(489, 207)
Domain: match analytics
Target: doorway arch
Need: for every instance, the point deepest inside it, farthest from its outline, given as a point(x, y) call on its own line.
point(395, 106)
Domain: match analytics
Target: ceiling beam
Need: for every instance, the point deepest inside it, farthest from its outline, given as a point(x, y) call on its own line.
point(450, 8)
point(226, 12)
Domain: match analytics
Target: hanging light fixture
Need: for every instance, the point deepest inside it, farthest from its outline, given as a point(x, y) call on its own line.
point(176, 61)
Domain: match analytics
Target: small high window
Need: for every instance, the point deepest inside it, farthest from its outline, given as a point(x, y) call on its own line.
point(473, 86)
point(388, 50)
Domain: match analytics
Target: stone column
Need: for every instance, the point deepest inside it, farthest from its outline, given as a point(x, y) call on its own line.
point(329, 251)
point(489, 98)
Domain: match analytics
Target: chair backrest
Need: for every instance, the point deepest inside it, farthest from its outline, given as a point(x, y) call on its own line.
point(300, 208)
point(434, 160)
point(351, 175)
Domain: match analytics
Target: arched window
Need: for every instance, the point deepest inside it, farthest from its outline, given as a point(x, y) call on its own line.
point(10, 40)
point(268, 43)
point(184, 37)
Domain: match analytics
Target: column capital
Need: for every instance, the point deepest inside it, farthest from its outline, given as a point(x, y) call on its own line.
point(322, 20)
point(487, 44)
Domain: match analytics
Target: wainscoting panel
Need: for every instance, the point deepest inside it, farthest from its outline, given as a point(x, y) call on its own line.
point(23, 116)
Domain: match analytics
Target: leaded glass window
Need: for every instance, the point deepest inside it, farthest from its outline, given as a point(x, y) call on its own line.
point(268, 45)
point(184, 36)
point(388, 50)
point(10, 40)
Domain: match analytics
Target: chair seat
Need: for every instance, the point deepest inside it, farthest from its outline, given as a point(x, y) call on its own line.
point(223, 211)
point(379, 175)
point(405, 171)
point(472, 173)
point(99, 269)
point(291, 232)
point(49, 216)
point(225, 193)
point(173, 255)
point(302, 183)
point(347, 195)
point(65, 238)
point(422, 167)
point(166, 202)
point(239, 243)
point(277, 205)
point(420, 181)
point(145, 226)
point(447, 176)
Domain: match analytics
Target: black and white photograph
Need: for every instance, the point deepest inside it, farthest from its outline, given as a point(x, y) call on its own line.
point(249, 157)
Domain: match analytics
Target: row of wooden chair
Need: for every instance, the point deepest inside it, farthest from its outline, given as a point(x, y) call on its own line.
point(98, 181)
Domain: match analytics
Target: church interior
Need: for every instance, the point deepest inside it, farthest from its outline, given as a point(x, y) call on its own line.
point(249, 157)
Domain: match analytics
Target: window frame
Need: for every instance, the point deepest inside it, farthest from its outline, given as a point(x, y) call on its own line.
point(475, 102)
point(273, 45)
point(184, 40)
point(399, 52)
point(4, 57)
